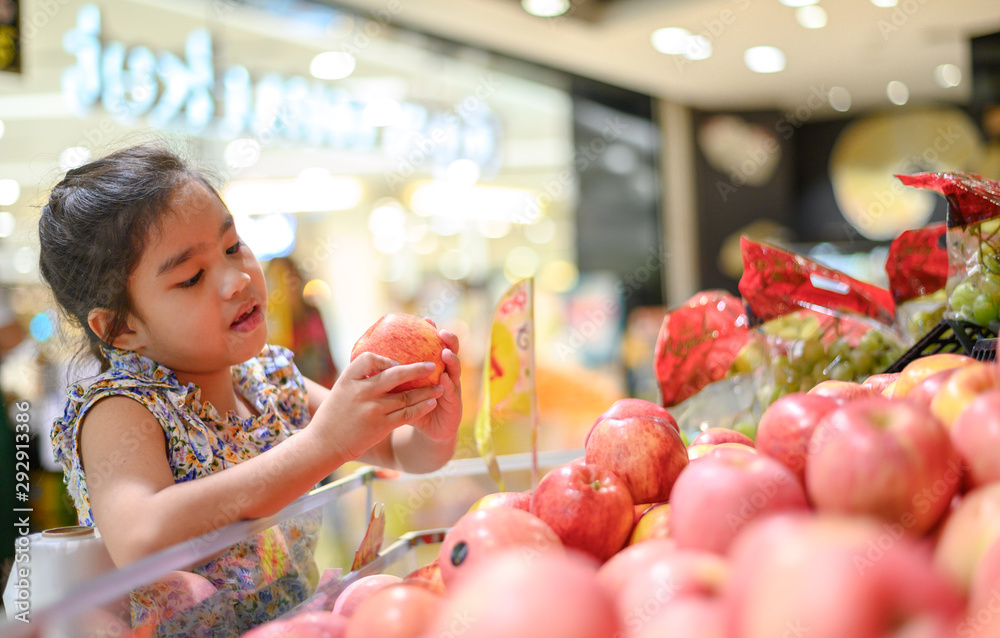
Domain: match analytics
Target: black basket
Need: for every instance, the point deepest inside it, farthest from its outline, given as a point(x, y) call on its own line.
point(985, 350)
point(951, 335)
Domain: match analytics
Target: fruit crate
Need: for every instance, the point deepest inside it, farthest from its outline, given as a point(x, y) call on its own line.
point(951, 335)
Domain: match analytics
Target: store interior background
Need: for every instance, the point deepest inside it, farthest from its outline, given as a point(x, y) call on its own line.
point(474, 144)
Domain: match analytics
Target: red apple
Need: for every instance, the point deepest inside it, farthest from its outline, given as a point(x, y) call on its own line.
point(403, 610)
point(972, 527)
point(976, 436)
point(552, 596)
point(882, 382)
point(923, 392)
point(984, 590)
point(687, 617)
point(311, 624)
point(518, 500)
point(722, 435)
point(883, 458)
point(360, 590)
point(478, 534)
point(962, 387)
point(429, 574)
point(922, 367)
point(678, 574)
point(406, 339)
point(695, 452)
point(787, 425)
point(587, 506)
point(645, 452)
point(716, 497)
point(629, 407)
point(825, 576)
point(843, 391)
point(616, 571)
point(637, 407)
point(653, 524)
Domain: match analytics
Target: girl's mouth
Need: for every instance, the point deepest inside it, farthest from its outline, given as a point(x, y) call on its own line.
point(248, 320)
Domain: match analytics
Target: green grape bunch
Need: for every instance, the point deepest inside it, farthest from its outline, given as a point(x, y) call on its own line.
point(802, 353)
point(976, 299)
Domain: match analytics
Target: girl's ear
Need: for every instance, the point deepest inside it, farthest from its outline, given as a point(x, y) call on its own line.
point(100, 318)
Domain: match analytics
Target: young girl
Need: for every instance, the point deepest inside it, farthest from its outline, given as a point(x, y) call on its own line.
point(194, 422)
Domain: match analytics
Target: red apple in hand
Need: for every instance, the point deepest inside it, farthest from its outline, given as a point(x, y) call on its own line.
point(715, 497)
point(787, 425)
point(715, 436)
point(883, 458)
point(406, 339)
point(588, 507)
point(645, 452)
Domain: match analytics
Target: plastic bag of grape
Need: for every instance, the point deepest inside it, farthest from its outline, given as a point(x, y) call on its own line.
point(917, 267)
point(973, 244)
point(694, 354)
point(818, 323)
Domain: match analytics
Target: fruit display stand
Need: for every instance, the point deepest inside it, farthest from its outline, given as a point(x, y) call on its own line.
point(345, 504)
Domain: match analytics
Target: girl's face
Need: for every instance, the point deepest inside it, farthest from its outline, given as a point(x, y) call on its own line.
point(198, 291)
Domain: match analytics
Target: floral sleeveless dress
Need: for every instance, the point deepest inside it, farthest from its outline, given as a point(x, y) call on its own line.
point(258, 578)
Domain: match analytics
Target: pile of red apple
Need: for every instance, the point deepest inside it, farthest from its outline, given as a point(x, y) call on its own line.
point(860, 510)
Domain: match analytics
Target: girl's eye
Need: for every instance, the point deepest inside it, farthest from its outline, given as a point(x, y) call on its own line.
point(192, 281)
point(235, 248)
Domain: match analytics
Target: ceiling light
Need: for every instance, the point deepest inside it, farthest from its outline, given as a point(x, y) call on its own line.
point(545, 8)
point(697, 47)
point(811, 17)
point(948, 75)
point(10, 191)
point(382, 112)
point(764, 59)
point(885, 4)
point(798, 3)
point(6, 224)
point(332, 65)
point(840, 99)
point(670, 40)
point(898, 92)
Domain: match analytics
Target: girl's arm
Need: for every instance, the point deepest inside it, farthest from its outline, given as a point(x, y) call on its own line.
point(138, 507)
point(429, 441)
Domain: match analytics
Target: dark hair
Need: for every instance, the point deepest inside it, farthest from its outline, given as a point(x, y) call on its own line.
point(94, 228)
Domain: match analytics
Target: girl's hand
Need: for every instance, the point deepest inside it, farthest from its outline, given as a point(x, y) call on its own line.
point(360, 410)
point(441, 423)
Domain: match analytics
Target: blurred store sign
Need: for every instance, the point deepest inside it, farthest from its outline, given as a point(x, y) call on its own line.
point(190, 95)
point(10, 36)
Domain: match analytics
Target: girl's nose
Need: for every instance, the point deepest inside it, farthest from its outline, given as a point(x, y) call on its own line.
point(234, 281)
